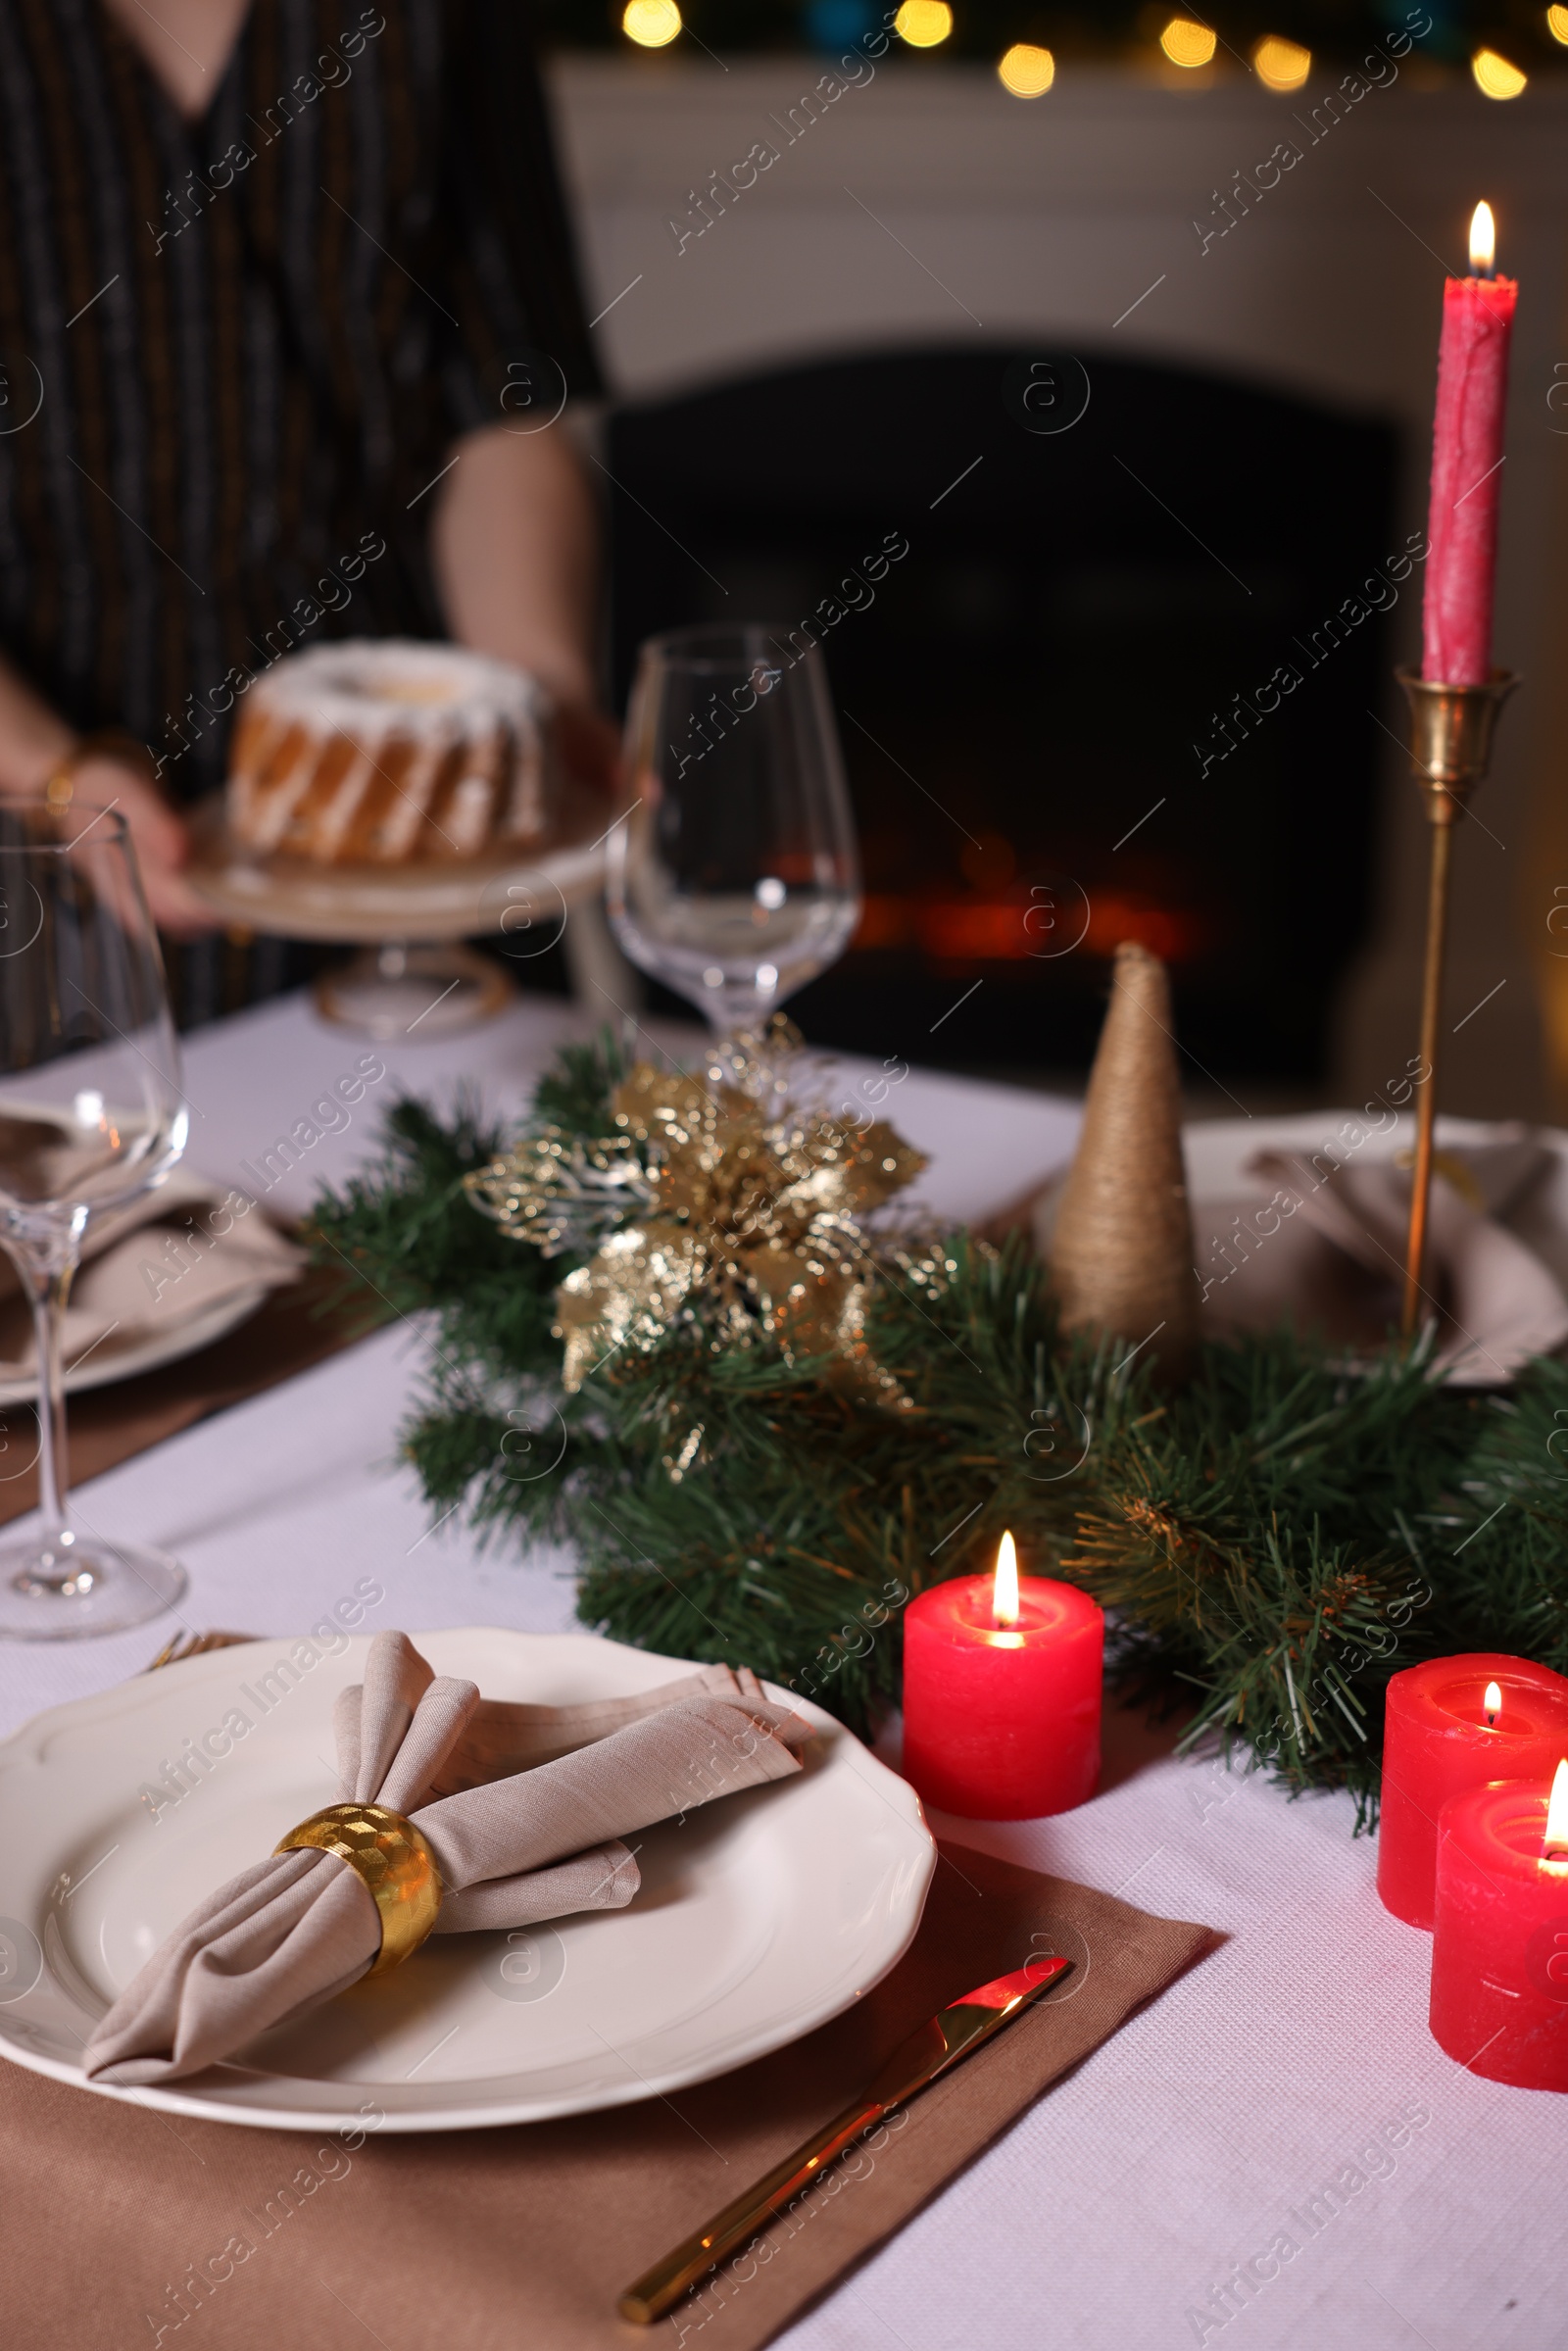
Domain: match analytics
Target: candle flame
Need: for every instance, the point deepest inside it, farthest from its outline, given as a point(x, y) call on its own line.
point(1483, 242)
point(1492, 1704)
point(1555, 1839)
point(1004, 1591)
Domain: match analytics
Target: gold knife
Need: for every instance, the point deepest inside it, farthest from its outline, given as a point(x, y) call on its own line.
point(929, 2051)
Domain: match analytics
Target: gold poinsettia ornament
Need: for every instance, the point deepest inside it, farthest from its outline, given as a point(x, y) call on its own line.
point(708, 1206)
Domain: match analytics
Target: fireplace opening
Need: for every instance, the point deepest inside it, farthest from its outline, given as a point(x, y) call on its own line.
point(1106, 638)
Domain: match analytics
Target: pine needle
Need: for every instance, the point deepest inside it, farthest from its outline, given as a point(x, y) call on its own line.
point(1273, 1541)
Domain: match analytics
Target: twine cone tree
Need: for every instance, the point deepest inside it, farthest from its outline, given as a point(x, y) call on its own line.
point(1122, 1253)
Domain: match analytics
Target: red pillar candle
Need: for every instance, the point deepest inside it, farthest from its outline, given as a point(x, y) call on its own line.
point(1467, 466)
point(1001, 1694)
point(1500, 1946)
point(1437, 1740)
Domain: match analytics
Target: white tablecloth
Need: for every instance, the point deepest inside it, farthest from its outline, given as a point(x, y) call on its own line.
point(1282, 2107)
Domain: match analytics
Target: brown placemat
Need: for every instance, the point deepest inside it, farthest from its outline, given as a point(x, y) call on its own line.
point(296, 1326)
point(483, 2240)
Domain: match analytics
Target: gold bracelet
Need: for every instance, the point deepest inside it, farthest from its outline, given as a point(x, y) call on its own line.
point(105, 743)
point(393, 1860)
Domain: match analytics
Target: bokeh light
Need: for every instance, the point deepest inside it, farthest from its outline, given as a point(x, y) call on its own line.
point(1185, 44)
point(1025, 71)
point(924, 24)
point(1281, 64)
point(1495, 76)
point(651, 23)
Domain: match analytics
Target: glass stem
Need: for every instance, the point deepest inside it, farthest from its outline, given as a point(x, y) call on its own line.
point(49, 1266)
point(51, 1287)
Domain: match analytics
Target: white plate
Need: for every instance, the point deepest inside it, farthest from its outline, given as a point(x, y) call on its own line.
point(760, 1916)
point(104, 1362)
point(107, 1363)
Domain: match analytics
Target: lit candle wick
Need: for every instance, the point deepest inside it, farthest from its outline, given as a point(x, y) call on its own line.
point(1004, 1589)
point(1555, 1843)
point(1492, 1705)
point(1483, 242)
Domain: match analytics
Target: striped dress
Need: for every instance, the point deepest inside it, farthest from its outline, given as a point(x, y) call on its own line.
point(234, 353)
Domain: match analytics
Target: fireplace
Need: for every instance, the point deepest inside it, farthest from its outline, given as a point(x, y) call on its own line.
point(932, 208)
point(1105, 637)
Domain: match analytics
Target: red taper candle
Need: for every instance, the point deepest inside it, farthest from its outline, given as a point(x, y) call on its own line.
point(1500, 1946)
point(1467, 466)
point(1002, 1681)
point(1450, 1724)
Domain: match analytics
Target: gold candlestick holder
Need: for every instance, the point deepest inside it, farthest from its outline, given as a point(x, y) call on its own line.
point(1451, 748)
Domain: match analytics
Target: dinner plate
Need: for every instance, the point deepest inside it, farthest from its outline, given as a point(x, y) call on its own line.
point(758, 1916)
point(108, 1358)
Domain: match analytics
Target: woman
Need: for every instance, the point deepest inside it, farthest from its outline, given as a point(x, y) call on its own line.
point(288, 321)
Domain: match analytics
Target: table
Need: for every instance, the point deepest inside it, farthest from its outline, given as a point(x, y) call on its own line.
point(1285, 2093)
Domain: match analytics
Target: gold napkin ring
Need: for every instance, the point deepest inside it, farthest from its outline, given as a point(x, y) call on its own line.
point(395, 1863)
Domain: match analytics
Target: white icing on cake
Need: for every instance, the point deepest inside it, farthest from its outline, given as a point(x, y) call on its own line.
point(398, 685)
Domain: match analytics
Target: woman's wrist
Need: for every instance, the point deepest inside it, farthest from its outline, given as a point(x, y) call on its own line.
point(112, 743)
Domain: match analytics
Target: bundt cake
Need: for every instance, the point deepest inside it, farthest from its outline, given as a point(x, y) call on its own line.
point(388, 751)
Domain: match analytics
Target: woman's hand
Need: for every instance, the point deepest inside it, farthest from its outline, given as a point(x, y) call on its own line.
point(589, 745)
point(160, 837)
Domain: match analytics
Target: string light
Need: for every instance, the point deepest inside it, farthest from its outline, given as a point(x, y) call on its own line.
point(1025, 71)
point(1185, 44)
point(651, 23)
point(1557, 24)
point(924, 24)
point(1495, 76)
point(1281, 64)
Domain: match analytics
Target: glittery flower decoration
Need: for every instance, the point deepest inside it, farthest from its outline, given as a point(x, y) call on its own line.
point(713, 1207)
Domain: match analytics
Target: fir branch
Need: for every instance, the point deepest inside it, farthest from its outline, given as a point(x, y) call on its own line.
point(575, 1095)
point(1272, 1542)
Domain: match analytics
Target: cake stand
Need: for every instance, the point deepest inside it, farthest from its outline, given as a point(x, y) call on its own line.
point(414, 976)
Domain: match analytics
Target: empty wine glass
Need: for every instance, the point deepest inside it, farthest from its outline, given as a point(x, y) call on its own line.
point(91, 1116)
point(735, 879)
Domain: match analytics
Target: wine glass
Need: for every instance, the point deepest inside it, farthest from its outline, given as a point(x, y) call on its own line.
point(735, 878)
point(91, 1116)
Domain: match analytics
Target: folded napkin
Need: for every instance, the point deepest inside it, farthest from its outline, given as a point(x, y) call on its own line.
point(1324, 1242)
point(166, 1260)
point(294, 1930)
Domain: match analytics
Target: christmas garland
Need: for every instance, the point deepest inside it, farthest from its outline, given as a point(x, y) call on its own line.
point(795, 1425)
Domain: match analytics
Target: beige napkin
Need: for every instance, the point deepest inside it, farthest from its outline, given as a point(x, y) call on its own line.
point(295, 1929)
point(168, 1258)
point(500, 1738)
point(1324, 1244)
